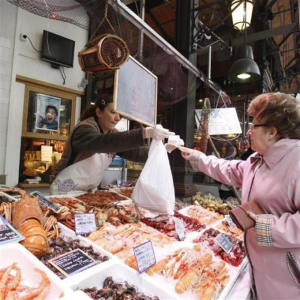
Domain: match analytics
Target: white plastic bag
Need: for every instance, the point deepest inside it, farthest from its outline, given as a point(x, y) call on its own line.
point(154, 189)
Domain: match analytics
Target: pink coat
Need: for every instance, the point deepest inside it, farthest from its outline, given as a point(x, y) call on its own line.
point(276, 188)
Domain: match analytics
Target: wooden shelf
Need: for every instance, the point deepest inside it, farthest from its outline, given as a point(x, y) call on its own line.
point(32, 185)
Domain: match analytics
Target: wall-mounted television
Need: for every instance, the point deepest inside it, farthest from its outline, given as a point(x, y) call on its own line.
point(58, 50)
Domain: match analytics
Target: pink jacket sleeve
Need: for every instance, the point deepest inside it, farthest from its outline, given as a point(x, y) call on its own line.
point(225, 171)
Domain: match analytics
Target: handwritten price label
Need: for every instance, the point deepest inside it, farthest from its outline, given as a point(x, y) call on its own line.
point(85, 223)
point(145, 256)
point(44, 201)
point(179, 228)
point(224, 242)
point(72, 262)
point(8, 234)
point(229, 221)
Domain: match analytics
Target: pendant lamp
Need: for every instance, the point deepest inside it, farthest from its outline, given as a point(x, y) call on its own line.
point(244, 69)
point(241, 13)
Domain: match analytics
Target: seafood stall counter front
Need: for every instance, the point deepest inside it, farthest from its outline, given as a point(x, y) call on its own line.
point(190, 259)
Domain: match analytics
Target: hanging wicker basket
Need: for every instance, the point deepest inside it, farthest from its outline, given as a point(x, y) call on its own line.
point(106, 52)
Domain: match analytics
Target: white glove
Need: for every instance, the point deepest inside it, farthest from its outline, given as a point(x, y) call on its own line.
point(158, 133)
point(174, 142)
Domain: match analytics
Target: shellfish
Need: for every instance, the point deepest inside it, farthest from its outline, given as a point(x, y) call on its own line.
point(28, 219)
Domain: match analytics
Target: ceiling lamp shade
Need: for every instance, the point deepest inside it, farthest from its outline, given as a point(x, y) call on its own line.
point(241, 13)
point(244, 69)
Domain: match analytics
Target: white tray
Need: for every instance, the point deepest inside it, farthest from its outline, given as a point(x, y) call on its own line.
point(27, 262)
point(78, 295)
point(169, 283)
point(65, 231)
point(121, 273)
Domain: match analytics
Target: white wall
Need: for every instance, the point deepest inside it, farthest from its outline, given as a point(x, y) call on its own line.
point(19, 58)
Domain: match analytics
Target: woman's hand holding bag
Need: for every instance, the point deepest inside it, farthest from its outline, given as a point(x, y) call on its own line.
point(244, 215)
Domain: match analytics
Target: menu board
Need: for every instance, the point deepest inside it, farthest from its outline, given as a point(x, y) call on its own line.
point(8, 233)
point(72, 262)
point(221, 121)
point(136, 98)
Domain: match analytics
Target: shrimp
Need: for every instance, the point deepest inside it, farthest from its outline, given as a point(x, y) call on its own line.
point(187, 281)
point(4, 280)
point(39, 292)
point(131, 262)
point(158, 267)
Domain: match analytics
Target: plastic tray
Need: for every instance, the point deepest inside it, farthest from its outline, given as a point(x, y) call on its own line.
point(27, 262)
point(65, 231)
point(169, 283)
point(78, 295)
point(121, 273)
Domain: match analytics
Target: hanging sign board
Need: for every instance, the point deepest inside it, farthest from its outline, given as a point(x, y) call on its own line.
point(8, 234)
point(135, 92)
point(221, 121)
point(72, 262)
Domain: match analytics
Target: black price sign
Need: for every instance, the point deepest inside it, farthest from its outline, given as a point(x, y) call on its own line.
point(44, 201)
point(72, 262)
point(8, 234)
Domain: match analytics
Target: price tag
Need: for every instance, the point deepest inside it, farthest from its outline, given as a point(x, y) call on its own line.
point(224, 242)
point(72, 262)
point(44, 201)
point(179, 228)
point(85, 223)
point(229, 221)
point(145, 256)
point(8, 234)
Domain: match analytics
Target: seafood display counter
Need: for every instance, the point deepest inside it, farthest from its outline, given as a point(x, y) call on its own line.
point(191, 260)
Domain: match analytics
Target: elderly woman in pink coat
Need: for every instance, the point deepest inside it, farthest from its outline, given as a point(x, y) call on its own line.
point(271, 178)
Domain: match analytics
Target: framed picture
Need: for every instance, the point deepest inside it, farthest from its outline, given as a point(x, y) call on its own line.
point(48, 112)
point(135, 92)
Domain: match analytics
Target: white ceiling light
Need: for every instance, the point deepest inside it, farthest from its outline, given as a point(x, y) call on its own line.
point(241, 13)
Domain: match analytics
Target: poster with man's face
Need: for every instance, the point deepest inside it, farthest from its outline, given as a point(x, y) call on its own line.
point(47, 114)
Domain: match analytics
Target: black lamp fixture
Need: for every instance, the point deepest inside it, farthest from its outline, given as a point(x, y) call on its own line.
point(245, 69)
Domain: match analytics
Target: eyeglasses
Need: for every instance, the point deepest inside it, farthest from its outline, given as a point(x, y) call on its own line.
point(252, 126)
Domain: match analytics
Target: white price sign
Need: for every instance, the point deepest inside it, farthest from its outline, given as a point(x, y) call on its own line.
point(85, 223)
point(145, 256)
point(224, 242)
point(179, 228)
point(229, 221)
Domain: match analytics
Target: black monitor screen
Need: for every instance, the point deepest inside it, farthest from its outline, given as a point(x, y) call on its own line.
point(57, 49)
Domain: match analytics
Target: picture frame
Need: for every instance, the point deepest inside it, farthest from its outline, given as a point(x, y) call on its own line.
point(35, 101)
point(135, 92)
point(48, 112)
